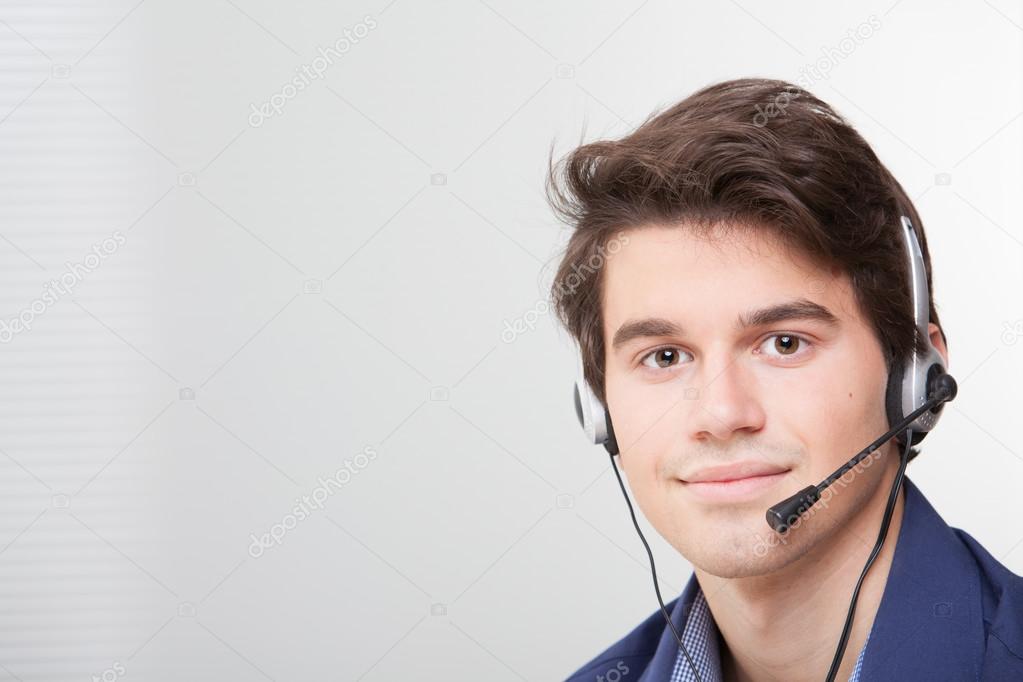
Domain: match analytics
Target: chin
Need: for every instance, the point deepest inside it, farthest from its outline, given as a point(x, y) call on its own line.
point(746, 550)
point(748, 563)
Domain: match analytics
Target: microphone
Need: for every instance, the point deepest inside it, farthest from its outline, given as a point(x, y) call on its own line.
point(782, 515)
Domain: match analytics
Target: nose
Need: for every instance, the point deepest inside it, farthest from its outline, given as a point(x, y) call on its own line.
point(727, 401)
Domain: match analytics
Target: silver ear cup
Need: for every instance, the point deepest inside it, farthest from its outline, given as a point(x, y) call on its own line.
point(917, 379)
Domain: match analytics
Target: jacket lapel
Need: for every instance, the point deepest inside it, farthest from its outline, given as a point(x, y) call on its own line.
point(929, 625)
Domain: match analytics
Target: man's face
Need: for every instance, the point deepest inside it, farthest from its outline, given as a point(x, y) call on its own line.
point(790, 398)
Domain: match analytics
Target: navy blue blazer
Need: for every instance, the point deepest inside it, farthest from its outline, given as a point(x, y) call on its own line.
point(950, 611)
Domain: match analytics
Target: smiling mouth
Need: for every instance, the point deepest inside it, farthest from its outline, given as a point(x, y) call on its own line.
point(735, 488)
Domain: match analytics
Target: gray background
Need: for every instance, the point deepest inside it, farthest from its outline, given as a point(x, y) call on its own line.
point(339, 277)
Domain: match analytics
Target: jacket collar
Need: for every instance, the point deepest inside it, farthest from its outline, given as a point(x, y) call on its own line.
point(929, 622)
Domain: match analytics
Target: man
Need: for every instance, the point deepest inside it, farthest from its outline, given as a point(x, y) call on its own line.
point(738, 287)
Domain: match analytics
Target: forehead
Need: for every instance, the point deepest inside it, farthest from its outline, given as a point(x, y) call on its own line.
point(675, 271)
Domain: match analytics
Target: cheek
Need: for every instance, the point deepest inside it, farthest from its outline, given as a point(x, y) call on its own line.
point(644, 415)
point(840, 415)
point(648, 423)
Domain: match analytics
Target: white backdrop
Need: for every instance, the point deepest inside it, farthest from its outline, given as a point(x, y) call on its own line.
point(233, 292)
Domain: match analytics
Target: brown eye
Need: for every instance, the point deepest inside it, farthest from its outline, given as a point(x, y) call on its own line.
point(662, 358)
point(786, 344)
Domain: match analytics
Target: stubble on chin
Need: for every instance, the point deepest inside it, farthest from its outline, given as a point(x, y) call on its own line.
point(750, 548)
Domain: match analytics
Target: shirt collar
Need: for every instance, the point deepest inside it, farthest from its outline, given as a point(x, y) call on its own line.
point(701, 639)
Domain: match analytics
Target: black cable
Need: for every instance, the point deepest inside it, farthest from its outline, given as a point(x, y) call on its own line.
point(653, 571)
point(886, 521)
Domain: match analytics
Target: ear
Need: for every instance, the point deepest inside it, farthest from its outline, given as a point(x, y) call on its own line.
point(937, 341)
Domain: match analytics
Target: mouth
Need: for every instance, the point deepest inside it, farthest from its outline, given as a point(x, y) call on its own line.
point(735, 482)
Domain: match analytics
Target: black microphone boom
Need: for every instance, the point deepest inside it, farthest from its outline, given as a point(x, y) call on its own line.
point(782, 515)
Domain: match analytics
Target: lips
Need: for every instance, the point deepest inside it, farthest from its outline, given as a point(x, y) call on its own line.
point(734, 472)
point(736, 483)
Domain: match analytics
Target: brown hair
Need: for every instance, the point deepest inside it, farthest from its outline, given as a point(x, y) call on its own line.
point(751, 152)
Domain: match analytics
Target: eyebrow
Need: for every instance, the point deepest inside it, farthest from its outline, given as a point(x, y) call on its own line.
point(800, 309)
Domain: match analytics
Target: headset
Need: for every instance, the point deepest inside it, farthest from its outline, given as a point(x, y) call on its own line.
point(917, 388)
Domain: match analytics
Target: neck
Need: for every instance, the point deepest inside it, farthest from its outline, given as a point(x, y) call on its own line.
point(786, 625)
